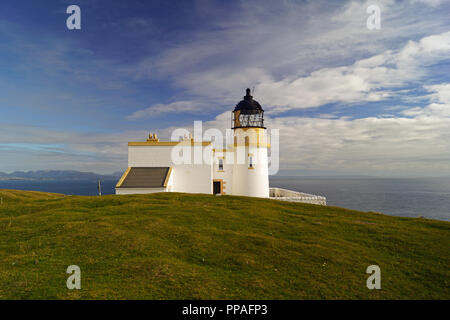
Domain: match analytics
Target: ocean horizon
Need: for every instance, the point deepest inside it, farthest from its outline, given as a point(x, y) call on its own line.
point(405, 197)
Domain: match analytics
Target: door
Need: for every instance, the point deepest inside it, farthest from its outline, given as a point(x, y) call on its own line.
point(217, 187)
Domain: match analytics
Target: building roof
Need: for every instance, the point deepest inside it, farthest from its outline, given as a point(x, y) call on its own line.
point(248, 105)
point(145, 177)
point(169, 143)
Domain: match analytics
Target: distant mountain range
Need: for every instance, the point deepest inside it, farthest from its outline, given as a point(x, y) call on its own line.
point(58, 175)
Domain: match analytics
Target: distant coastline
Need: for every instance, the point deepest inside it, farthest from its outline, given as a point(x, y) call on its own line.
point(56, 175)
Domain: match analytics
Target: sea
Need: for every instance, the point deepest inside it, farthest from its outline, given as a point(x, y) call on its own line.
point(413, 197)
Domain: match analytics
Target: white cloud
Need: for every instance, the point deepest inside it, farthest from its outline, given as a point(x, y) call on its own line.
point(440, 106)
point(372, 79)
point(283, 47)
point(415, 145)
point(441, 92)
point(37, 148)
point(382, 146)
point(433, 3)
point(174, 107)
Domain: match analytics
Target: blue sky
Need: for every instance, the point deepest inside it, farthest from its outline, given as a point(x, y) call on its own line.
point(347, 100)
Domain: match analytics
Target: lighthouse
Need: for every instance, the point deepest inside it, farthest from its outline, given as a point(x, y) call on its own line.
point(240, 167)
point(250, 167)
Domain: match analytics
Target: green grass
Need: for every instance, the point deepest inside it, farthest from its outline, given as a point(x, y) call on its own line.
point(184, 246)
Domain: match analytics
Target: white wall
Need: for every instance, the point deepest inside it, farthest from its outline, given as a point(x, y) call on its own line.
point(194, 178)
point(169, 186)
point(251, 182)
point(227, 174)
point(149, 156)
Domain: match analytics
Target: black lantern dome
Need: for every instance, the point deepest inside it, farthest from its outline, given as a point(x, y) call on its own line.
point(248, 113)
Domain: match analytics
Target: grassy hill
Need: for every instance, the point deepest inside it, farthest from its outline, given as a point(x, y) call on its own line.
point(180, 246)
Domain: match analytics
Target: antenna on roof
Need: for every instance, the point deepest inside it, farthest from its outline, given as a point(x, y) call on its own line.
point(253, 90)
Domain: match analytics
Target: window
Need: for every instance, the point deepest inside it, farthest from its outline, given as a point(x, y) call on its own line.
point(250, 162)
point(220, 164)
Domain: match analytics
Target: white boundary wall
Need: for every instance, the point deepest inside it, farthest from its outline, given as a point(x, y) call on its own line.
point(294, 196)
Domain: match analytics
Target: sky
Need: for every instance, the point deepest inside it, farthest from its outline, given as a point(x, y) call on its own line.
point(348, 100)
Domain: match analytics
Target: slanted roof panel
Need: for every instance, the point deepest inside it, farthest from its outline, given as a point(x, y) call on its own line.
point(145, 177)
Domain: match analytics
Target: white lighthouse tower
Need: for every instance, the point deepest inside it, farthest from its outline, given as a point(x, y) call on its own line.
point(250, 167)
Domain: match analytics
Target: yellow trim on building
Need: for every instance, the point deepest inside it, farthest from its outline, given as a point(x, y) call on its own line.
point(169, 143)
point(250, 128)
point(167, 177)
point(122, 179)
point(249, 144)
point(237, 122)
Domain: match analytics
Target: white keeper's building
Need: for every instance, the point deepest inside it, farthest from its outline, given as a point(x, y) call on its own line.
point(239, 169)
